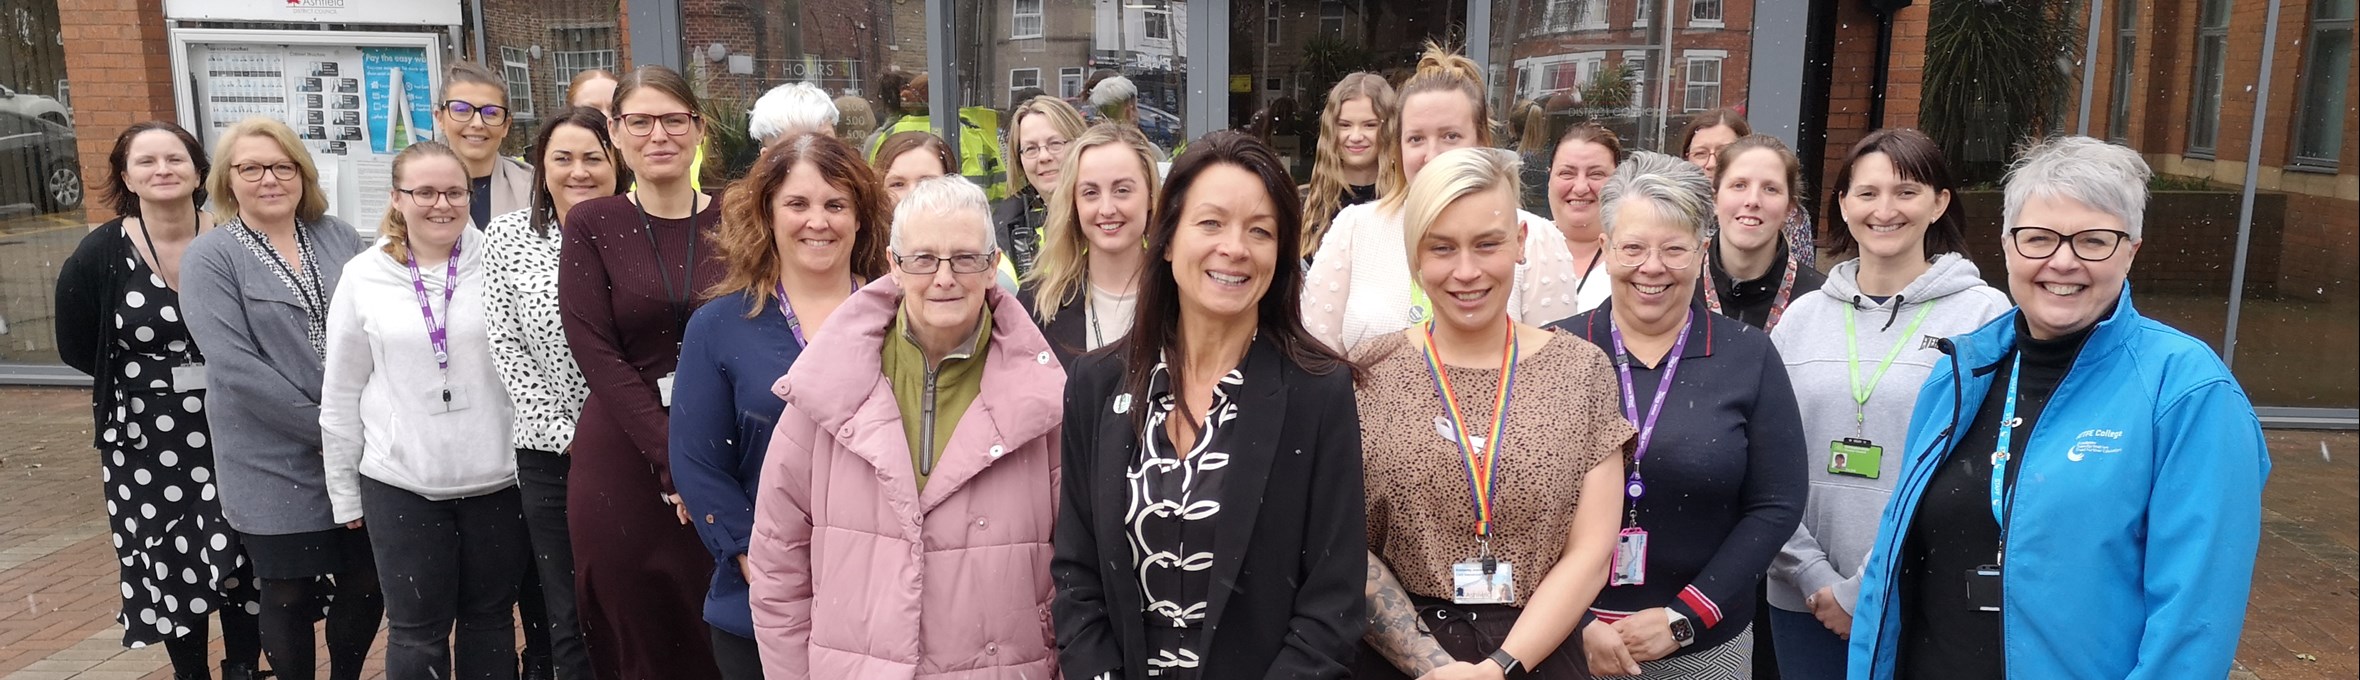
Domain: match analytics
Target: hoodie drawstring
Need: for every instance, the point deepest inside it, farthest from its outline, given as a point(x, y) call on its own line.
point(1896, 314)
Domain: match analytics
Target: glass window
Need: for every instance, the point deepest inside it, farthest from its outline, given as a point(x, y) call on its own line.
point(1069, 82)
point(1270, 30)
point(516, 66)
point(1704, 82)
point(2327, 73)
point(41, 183)
point(1022, 79)
point(2212, 54)
point(1331, 17)
point(862, 54)
point(2126, 52)
point(1082, 43)
point(1704, 13)
point(1026, 20)
point(1642, 9)
point(1159, 25)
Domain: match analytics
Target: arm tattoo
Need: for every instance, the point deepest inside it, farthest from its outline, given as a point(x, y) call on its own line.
point(1393, 625)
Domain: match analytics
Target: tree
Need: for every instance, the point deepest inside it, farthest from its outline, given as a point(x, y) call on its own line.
point(1997, 71)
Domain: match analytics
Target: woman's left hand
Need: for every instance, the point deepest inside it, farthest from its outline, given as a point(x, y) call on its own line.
point(1466, 671)
point(1648, 634)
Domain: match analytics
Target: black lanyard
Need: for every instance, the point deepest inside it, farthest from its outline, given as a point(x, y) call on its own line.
point(311, 295)
point(675, 299)
point(188, 352)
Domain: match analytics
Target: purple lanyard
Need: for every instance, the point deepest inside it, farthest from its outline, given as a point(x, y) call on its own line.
point(1663, 388)
point(795, 323)
point(438, 332)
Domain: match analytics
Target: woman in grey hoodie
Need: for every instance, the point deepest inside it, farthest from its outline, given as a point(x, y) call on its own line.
point(1856, 355)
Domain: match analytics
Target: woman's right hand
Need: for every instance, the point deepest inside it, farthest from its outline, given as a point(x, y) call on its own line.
point(1606, 652)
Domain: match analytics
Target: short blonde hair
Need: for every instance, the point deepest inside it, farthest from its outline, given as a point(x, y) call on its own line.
point(1456, 174)
point(310, 206)
point(1063, 116)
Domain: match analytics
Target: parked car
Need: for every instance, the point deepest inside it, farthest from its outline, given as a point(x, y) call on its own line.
point(38, 163)
point(37, 106)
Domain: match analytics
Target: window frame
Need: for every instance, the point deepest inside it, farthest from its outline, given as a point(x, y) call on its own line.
point(2204, 110)
point(1013, 83)
point(1719, 18)
point(1644, 13)
point(2333, 118)
point(2126, 54)
point(1017, 16)
point(516, 70)
point(1332, 18)
point(1149, 19)
point(1689, 61)
point(1069, 81)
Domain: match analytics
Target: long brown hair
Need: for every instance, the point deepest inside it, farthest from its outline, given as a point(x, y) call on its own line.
point(1324, 195)
point(1916, 158)
point(394, 227)
point(544, 206)
point(748, 246)
point(1155, 335)
point(1064, 265)
point(1440, 69)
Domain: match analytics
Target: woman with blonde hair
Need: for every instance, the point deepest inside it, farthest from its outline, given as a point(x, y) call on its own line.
point(1344, 171)
point(415, 423)
point(1089, 275)
point(1360, 287)
point(255, 291)
point(1038, 132)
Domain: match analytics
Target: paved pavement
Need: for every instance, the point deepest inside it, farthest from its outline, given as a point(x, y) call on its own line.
point(58, 593)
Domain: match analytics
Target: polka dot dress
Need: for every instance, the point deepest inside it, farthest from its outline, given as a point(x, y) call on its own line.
point(180, 561)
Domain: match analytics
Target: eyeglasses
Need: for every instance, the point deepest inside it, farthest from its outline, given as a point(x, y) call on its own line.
point(1675, 256)
point(642, 124)
point(2091, 245)
point(462, 111)
point(1053, 147)
point(969, 263)
point(425, 197)
point(253, 173)
point(1700, 154)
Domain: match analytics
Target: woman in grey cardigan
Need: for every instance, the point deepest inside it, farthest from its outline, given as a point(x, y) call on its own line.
point(256, 294)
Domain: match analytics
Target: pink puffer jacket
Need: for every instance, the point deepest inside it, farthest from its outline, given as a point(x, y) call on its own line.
point(856, 574)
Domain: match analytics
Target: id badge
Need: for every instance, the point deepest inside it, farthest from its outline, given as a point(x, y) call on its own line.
point(1855, 457)
point(1983, 588)
point(448, 399)
point(664, 389)
point(1630, 558)
point(1471, 583)
point(188, 378)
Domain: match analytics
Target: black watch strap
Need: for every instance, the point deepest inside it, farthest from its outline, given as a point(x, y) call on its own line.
point(1514, 669)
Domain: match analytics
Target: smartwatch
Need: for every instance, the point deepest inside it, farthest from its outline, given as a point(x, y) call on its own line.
point(1509, 666)
point(1683, 632)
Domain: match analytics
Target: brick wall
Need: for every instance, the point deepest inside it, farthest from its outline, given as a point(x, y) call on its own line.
point(121, 75)
point(1855, 69)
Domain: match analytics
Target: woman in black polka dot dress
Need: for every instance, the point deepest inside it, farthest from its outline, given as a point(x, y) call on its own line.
point(119, 320)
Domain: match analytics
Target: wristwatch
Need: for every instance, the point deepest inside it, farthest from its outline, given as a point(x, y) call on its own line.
point(1683, 632)
point(1509, 666)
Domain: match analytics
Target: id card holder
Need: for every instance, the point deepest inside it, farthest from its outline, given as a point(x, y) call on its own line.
point(1483, 581)
point(664, 389)
point(1855, 457)
point(448, 399)
point(1983, 588)
point(189, 377)
point(1630, 558)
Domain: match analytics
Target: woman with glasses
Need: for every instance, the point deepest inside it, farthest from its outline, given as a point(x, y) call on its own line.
point(1585, 156)
point(575, 162)
point(1752, 273)
point(2083, 497)
point(1212, 475)
point(1855, 354)
point(1350, 154)
point(415, 423)
point(256, 293)
point(1095, 245)
point(1715, 484)
point(632, 270)
point(472, 113)
point(799, 235)
point(1360, 288)
point(1488, 542)
point(1038, 133)
point(119, 320)
point(1701, 141)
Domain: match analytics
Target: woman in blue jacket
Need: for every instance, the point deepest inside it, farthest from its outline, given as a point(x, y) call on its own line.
point(802, 231)
point(2083, 492)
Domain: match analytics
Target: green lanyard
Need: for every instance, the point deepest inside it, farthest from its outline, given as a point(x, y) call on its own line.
point(1860, 391)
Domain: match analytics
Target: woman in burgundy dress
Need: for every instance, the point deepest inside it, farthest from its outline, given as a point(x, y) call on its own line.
point(629, 275)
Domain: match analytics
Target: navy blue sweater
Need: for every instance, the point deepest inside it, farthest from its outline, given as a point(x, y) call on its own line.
point(1725, 475)
point(722, 415)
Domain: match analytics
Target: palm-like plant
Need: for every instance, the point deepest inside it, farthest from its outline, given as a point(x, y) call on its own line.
point(1997, 71)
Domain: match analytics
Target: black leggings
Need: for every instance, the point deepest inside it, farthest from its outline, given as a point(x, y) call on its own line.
point(289, 606)
point(241, 641)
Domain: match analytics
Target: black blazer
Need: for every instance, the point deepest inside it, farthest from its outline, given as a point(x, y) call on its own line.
point(1293, 548)
point(88, 284)
point(1069, 335)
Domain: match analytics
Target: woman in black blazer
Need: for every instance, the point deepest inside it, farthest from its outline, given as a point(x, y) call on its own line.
point(1211, 524)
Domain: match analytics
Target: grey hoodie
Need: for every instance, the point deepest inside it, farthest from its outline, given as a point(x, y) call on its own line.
point(1840, 523)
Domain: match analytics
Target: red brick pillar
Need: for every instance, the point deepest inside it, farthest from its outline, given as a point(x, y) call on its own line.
point(118, 61)
point(1855, 66)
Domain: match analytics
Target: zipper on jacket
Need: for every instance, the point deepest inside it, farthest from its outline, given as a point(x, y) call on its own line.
point(926, 424)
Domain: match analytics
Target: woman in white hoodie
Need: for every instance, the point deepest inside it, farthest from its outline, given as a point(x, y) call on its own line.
point(1856, 355)
point(415, 429)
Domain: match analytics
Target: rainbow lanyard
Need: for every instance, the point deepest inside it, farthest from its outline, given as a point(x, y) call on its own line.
point(1482, 461)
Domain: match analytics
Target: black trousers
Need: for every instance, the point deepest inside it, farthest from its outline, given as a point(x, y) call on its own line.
point(739, 658)
point(541, 476)
point(1469, 632)
point(446, 563)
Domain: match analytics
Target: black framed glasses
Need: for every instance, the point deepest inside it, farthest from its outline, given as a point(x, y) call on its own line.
point(462, 111)
point(965, 263)
point(426, 197)
point(253, 173)
point(2090, 245)
point(1675, 256)
point(644, 124)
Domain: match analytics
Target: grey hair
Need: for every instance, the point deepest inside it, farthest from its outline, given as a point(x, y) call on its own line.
point(948, 196)
point(2108, 178)
point(1678, 190)
point(1113, 90)
point(791, 108)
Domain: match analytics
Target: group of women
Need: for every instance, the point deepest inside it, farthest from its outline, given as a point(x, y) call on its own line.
point(1386, 424)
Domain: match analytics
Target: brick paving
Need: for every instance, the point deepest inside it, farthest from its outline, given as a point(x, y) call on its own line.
point(58, 593)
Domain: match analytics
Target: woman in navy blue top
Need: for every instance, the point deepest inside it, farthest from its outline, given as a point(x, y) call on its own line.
point(802, 231)
point(1716, 484)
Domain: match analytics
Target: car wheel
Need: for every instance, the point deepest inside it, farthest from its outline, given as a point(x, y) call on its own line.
point(61, 188)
